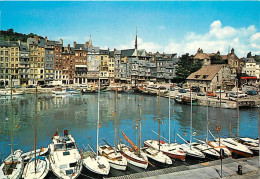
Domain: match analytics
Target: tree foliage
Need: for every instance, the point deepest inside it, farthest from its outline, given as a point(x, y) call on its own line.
point(216, 59)
point(9, 34)
point(186, 66)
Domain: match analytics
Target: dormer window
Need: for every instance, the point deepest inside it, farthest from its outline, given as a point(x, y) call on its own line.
point(197, 76)
point(205, 76)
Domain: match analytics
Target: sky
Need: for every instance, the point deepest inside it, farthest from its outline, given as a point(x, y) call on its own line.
point(170, 27)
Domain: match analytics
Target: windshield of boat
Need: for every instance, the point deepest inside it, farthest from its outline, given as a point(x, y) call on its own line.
point(70, 145)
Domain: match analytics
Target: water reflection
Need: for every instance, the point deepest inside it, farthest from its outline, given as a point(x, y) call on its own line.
point(78, 114)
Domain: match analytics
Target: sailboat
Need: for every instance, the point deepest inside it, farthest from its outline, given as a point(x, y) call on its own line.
point(232, 144)
point(115, 158)
point(134, 155)
point(38, 166)
point(156, 157)
point(64, 157)
point(12, 167)
point(172, 150)
point(93, 161)
point(252, 144)
point(203, 146)
point(187, 146)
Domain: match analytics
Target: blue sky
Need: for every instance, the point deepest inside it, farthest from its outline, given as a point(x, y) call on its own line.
point(162, 26)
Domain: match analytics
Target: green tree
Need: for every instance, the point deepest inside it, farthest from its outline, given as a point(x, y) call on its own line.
point(216, 59)
point(186, 66)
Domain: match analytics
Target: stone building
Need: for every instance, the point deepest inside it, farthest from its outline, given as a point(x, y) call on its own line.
point(210, 78)
point(68, 69)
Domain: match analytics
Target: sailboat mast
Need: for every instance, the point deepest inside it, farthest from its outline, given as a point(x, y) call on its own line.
point(237, 112)
point(190, 115)
point(115, 120)
point(139, 128)
point(159, 132)
point(98, 113)
point(169, 112)
point(220, 116)
point(35, 125)
point(12, 130)
point(207, 134)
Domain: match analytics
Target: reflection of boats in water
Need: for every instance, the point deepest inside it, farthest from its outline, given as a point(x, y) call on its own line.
point(185, 100)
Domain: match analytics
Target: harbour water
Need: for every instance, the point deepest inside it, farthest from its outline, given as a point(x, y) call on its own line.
point(78, 114)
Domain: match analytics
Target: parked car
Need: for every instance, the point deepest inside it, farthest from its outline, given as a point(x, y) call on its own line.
point(211, 94)
point(30, 86)
point(240, 94)
point(182, 91)
point(251, 92)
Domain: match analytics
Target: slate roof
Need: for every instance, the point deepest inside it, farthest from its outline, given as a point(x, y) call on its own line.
point(80, 47)
point(206, 73)
point(7, 44)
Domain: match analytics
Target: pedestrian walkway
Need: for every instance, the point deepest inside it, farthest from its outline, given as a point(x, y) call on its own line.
point(204, 170)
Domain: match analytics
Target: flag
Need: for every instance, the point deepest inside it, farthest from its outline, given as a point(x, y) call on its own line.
point(99, 125)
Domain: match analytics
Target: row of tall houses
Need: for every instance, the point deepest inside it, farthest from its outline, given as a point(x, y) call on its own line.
point(43, 61)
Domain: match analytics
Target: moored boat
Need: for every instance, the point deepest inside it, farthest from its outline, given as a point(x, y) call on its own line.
point(252, 144)
point(12, 167)
point(30, 154)
point(64, 157)
point(8, 92)
point(172, 150)
point(133, 157)
point(236, 147)
point(157, 157)
point(40, 171)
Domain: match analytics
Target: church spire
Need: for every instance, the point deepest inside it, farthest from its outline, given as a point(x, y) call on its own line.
point(136, 39)
point(90, 40)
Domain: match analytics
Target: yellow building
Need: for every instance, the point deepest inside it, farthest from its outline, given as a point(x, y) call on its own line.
point(9, 63)
point(37, 56)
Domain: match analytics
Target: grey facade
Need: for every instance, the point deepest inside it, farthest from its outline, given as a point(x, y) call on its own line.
point(24, 64)
point(49, 66)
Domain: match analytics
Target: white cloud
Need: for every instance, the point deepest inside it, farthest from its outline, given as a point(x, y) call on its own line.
point(218, 38)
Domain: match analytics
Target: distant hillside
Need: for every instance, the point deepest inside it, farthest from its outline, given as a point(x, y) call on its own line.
point(14, 36)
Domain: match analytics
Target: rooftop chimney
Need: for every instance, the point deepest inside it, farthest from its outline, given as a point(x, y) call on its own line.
point(45, 38)
point(232, 51)
point(69, 47)
point(74, 44)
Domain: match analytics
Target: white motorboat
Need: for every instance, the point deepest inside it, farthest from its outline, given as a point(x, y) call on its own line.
point(30, 154)
point(133, 157)
point(115, 159)
point(65, 160)
point(60, 91)
point(172, 150)
point(252, 144)
point(206, 149)
point(157, 157)
point(235, 147)
point(12, 167)
point(8, 93)
point(93, 161)
point(40, 171)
